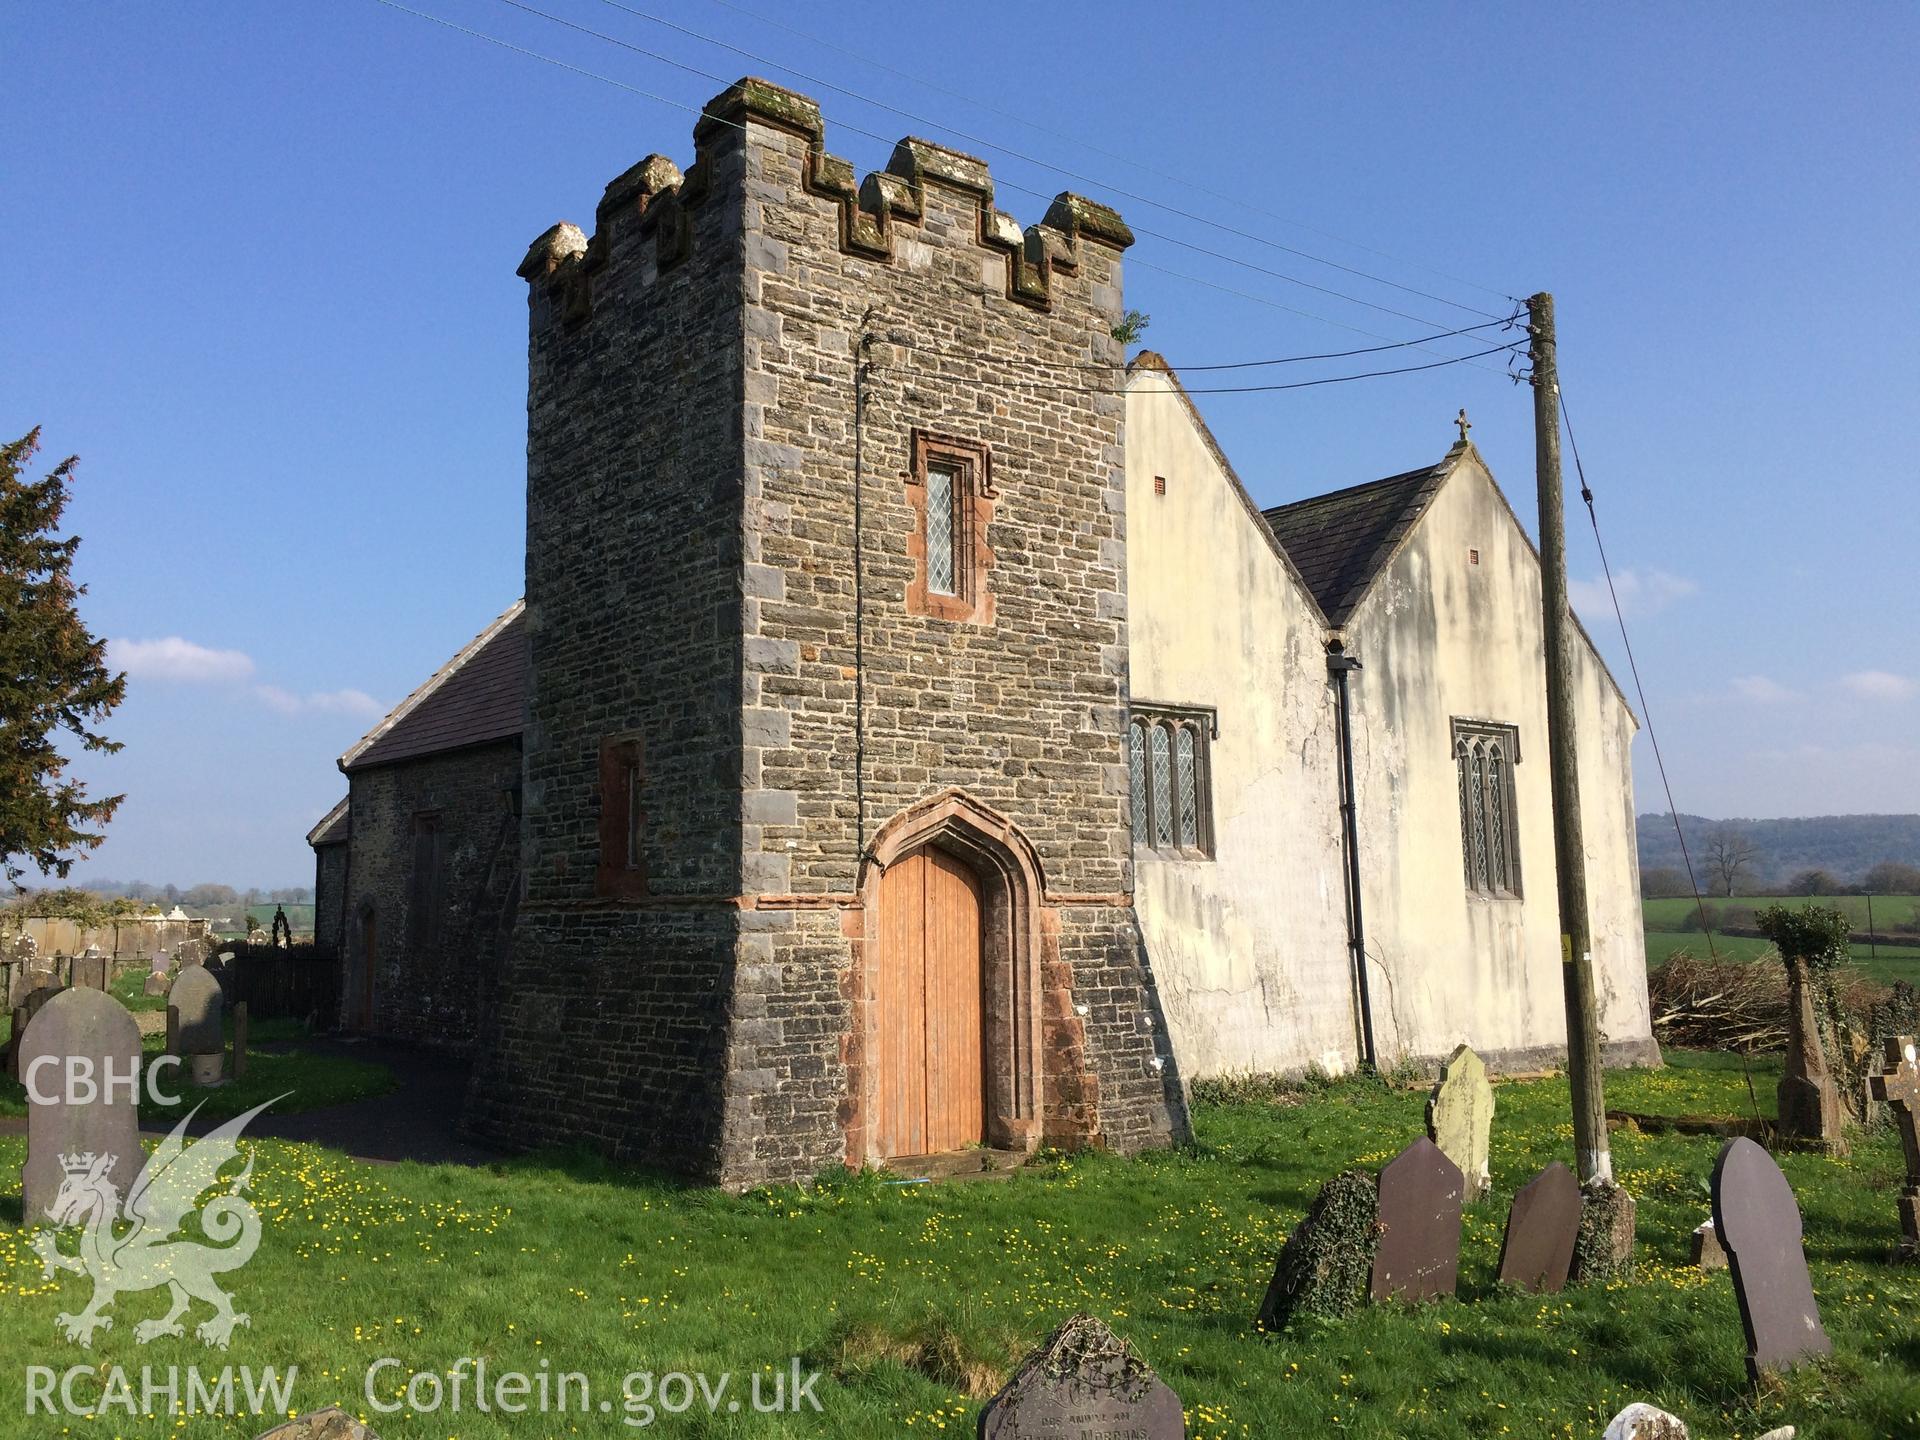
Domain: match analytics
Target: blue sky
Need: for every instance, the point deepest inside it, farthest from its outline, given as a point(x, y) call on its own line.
point(261, 279)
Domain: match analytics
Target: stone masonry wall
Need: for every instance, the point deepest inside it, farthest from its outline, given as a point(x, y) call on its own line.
point(329, 890)
point(858, 708)
point(435, 972)
point(610, 1007)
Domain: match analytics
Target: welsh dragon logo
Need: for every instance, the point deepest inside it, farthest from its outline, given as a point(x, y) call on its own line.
point(140, 1246)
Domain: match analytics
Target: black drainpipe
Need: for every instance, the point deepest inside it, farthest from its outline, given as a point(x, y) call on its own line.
point(1339, 664)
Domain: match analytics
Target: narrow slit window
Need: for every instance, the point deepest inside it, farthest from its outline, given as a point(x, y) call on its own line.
point(621, 871)
point(942, 571)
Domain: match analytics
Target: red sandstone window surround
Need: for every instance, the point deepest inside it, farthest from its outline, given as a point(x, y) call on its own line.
point(621, 873)
point(950, 488)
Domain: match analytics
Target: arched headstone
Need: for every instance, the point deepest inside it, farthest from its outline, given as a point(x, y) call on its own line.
point(69, 1120)
point(1758, 1222)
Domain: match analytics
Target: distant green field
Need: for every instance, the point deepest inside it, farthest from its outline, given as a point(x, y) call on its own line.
point(1887, 909)
point(1890, 959)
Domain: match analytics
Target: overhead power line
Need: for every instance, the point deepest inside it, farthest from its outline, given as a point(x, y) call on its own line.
point(700, 111)
point(1034, 160)
point(842, 124)
point(1061, 387)
point(1633, 668)
point(1088, 145)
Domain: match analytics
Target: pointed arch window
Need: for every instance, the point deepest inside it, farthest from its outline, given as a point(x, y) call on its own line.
point(1168, 764)
point(1484, 754)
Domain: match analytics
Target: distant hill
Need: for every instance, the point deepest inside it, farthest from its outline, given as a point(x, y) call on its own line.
point(1848, 845)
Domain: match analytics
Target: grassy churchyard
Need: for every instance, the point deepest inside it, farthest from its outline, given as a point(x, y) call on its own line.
point(916, 1301)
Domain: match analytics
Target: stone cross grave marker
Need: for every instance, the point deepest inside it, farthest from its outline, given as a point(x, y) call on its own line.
point(1897, 1087)
point(1460, 1117)
point(1537, 1252)
point(1419, 1254)
point(89, 1025)
point(1758, 1222)
point(1083, 1383)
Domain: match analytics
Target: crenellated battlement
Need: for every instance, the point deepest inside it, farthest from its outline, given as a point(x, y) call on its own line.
point(654, 200)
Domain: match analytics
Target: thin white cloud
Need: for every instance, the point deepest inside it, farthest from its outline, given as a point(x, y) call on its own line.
point(1763, 690)
point(1641, 594)
point(331, 702)
point(173, 658)
point(1879, 685)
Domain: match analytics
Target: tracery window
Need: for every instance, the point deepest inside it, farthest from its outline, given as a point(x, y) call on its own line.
point(1168, 765)
point(1484, 755)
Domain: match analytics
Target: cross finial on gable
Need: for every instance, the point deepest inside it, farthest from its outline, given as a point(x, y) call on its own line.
point(1464, 424)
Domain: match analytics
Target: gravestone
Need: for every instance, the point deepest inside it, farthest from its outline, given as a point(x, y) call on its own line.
point(1897, 1086)
point(159, 964)
point(1420, 1197)
point(1759, 1224)
point(332, 1423)
point(90, 1024)
point(1808, 1101)
point(90, 970)
point(1708, 1252)
point(1328, 1259)
point(156, 984)
point(1083, 1383)
point(1537, 1251)
point(1641, 1421)
point(1460, 1117)
point(196, 995)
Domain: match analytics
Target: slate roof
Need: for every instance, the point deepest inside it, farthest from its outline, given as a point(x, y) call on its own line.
point(334, 828)
point(478, 696)
point(1340, 541)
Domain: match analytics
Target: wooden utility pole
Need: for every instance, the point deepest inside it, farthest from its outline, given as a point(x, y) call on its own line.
point(1594, 1159)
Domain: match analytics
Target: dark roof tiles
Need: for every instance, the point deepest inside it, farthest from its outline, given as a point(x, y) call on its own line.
point(478, 696)
point(1339, 542)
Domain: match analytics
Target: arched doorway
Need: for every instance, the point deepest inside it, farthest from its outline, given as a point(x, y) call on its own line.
point(973, 978)
point(929, 1002)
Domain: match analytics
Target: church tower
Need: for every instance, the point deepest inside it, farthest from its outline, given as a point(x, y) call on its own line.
point(825, 826)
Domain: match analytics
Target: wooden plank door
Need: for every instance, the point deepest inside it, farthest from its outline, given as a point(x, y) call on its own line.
point(929, 1055)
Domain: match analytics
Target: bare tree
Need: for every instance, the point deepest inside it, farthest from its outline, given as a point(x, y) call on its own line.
point(1730, 858)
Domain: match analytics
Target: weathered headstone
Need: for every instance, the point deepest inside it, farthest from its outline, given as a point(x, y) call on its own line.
point(157, 984)
point(1083, 1383)
point(159, 963)
point(62, 1120)
point(238, 1069)
point(196, 995)
point(1759, 1224)
point(1897, 1086)
point(332, 1423)
point(1419, 1253)
point(1708, 1252)
point(1328, 1259)
point(1641, 1421)
point(1537, 1251)
point(1460, 1117)
point(1807, 1098)
point(90, 970)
